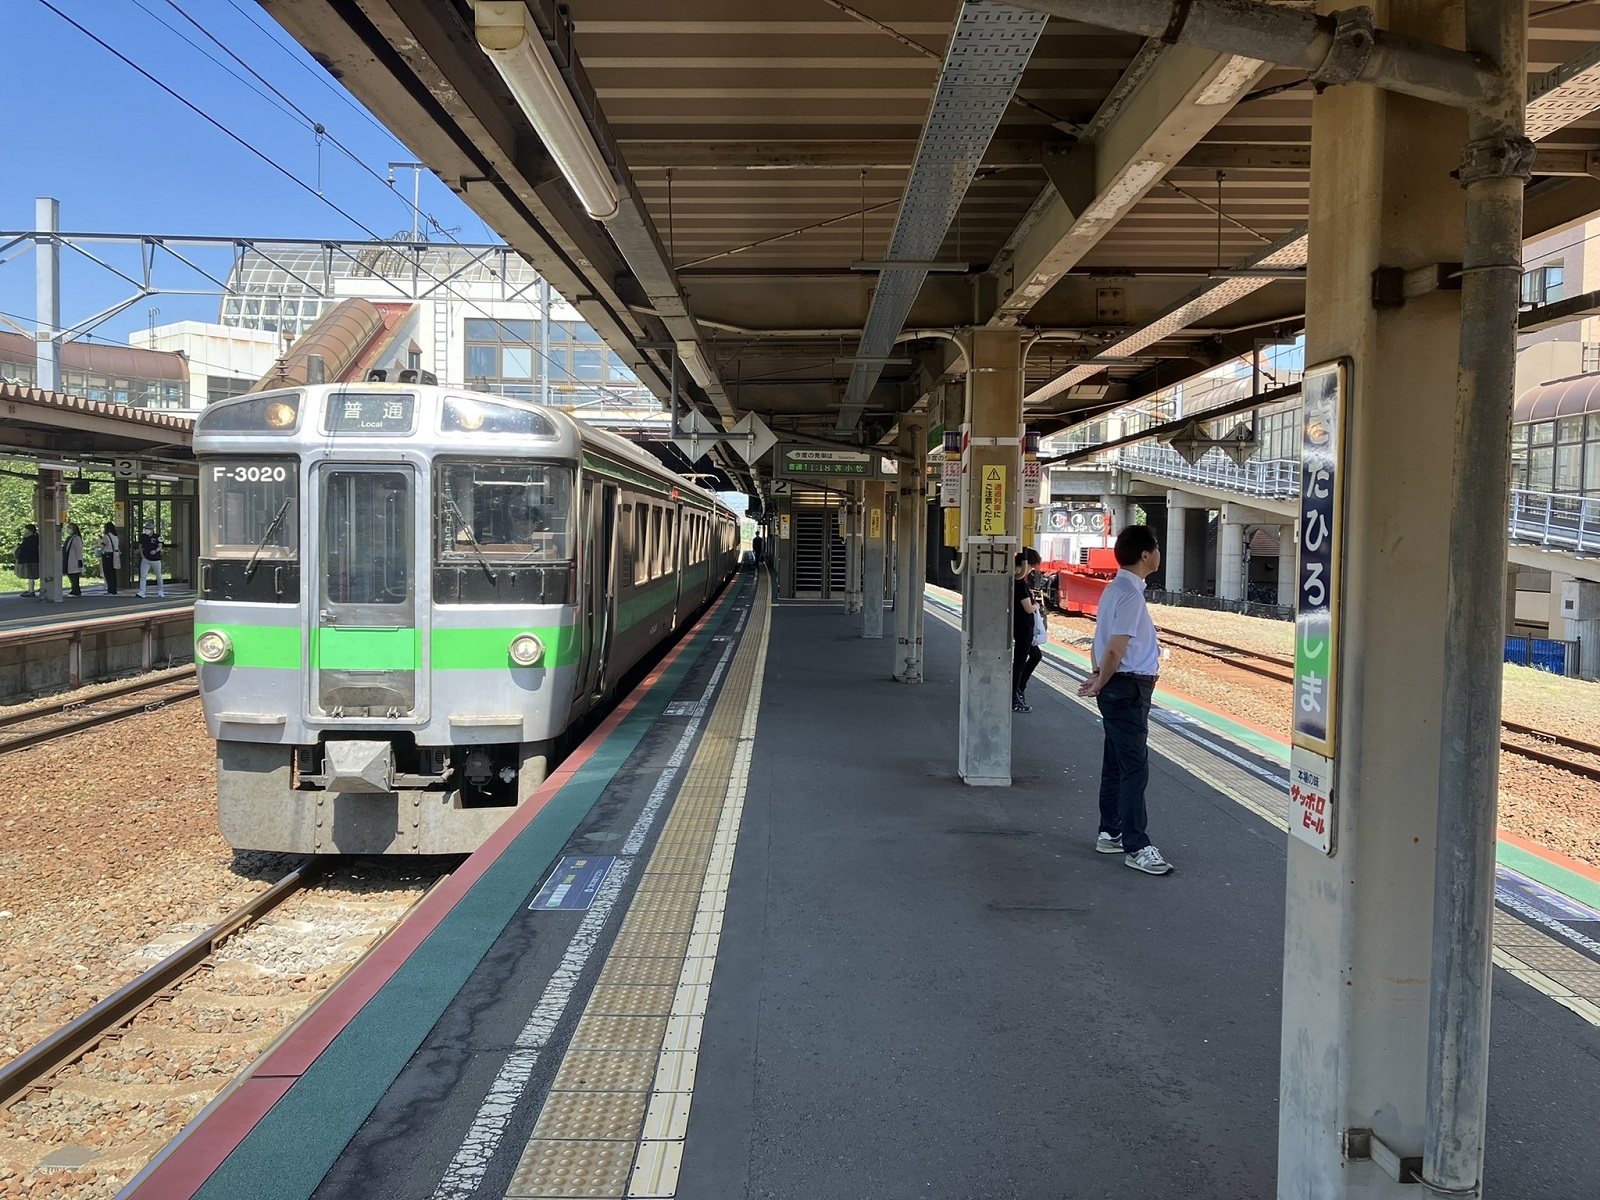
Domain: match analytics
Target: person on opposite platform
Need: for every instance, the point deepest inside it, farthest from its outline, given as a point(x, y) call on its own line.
point(27, 559)
point(72, 558)
point(110, 557)
point(150, 547)
point(1027, 617)
point(1126, 661)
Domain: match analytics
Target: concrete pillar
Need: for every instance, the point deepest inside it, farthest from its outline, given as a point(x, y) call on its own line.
point(1358, 963)
point(1288, 559)
point(994, 421)
point(1121, 510)
point(850, 516)
point(1554, 618)
point(875, 524)
point(783, 545)
point(1173, 554)
point(49, 536)
point(910, 542)
point(1230, 560)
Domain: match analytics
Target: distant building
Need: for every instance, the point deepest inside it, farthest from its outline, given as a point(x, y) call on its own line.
point(474, 316)
point(103, 371)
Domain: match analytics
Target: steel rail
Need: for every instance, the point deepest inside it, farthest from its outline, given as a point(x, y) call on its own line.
point(124, 689)
point(80, 1035)
point(94, 720)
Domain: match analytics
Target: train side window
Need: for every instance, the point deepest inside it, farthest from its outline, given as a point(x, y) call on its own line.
point(627, 555)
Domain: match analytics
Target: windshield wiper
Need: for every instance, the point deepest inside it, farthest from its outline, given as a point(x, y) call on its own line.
point(466, 528)
point(250, 567)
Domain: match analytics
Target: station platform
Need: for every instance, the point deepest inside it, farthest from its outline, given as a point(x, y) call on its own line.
point(22, 612)
point(756, 939)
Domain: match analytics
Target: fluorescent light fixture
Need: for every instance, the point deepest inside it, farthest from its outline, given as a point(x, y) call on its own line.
point(1236, 74)
point(520, 55)
point(699, 371)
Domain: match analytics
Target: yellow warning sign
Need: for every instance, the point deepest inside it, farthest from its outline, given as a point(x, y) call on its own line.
point(875, 524)
point(992, 511)
point(783, 526)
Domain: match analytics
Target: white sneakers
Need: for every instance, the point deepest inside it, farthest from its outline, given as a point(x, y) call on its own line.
point(1148, 860)
point(1106, 844)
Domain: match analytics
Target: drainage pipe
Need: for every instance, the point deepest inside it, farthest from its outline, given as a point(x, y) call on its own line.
point(1495, 166)
point(1341, 47)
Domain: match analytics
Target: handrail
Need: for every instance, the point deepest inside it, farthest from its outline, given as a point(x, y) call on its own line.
point(1555, 519)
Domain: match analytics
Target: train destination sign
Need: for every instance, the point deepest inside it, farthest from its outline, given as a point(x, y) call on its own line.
point(820, 463)
point(369, 412)
point(1316, 657)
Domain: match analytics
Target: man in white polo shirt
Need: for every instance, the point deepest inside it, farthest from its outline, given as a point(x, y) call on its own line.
point(1126, 661)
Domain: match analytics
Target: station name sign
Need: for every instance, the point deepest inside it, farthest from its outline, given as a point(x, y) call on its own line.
point(822, 464)
point(1312, 799)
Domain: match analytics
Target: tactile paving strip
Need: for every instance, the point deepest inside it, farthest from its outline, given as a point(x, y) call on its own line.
point(614, 1121)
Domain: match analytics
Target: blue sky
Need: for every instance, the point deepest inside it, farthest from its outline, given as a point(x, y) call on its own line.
point(123, 156)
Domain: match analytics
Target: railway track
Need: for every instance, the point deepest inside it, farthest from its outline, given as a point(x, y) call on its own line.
point(34, 726)
point(92, 1103)
point(1272, 666)
point(72, 1041)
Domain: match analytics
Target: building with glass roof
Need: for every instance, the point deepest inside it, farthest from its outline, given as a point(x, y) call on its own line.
point(485, 319)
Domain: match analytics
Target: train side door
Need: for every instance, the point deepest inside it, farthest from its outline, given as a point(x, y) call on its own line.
point(600, 588)
point(365, 643)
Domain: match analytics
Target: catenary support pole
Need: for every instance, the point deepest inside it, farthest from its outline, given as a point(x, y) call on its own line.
point(992, 519)
point(1358, 929)
point(911, 548)
point(875, 523)
point(1493, 171)
point(47, 295)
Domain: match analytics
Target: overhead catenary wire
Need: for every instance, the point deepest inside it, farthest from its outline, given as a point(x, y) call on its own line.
point(298, 182)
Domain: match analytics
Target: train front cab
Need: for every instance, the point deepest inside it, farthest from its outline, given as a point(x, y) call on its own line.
point(388, 647)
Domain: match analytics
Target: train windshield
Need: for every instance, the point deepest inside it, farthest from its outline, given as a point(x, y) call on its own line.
point(502, 513)
point(250, 507)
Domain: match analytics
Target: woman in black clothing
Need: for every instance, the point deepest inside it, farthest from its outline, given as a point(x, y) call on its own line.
point(1025, 655)
point(27, 558)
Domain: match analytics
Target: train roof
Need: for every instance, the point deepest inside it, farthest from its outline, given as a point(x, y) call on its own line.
point(296, 420)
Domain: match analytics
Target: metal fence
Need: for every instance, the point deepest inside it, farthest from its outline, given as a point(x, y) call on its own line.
point(1551, 519)
point(1543, 654)
point(1248, 608)
point(1273, 478)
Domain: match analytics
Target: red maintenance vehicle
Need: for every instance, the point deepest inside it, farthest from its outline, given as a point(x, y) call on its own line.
point(1076, 557)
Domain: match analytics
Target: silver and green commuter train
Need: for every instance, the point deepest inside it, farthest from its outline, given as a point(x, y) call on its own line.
point(409, 594)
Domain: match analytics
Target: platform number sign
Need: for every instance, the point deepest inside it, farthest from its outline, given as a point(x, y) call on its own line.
point(1325, 392)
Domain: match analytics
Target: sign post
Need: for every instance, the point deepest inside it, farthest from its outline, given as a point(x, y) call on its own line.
point(1312, 793)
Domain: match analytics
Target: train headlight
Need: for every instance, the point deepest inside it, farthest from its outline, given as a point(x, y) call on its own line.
point(281, 415)
point(213, 646)
point(526, 650)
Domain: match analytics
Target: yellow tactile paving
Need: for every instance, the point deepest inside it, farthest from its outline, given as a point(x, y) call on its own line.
point(579, 1169)
point(603, 1031)
point(592, 1116)
point(634, 972)
point(631, 1001)
point(616, 1116)
point(606, 1071)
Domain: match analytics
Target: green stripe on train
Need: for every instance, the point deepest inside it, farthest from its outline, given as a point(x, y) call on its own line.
point(336, 649)
point(260, 645)
point(490, 649)
point(393, 649)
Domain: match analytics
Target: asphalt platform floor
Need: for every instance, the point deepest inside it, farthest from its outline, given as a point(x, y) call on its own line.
point(925, 990)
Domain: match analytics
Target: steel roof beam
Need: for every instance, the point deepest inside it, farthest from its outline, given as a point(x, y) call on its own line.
point(989, 50)
point(892, 155)
point(1183, 95)
point(1288, 251)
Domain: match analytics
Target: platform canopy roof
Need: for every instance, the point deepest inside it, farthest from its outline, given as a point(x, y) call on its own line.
point(771, 158)
point(52, 425)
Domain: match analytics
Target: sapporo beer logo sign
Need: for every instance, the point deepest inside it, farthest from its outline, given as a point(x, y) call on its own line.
point(1324, 393)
